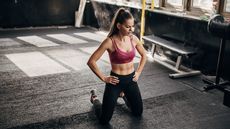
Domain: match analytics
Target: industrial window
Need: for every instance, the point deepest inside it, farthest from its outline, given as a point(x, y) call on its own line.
point(174, 2)
point(202, 4)
point(199, 8)
point(225, 9)
point(195, 7)
point(227, 6)
point(202, 7)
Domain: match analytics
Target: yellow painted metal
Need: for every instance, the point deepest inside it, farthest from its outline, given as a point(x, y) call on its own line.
point(142, 19)
point(152, 5)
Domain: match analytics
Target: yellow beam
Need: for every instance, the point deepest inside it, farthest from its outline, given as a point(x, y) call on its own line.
point(143, 19)
point(152, 5)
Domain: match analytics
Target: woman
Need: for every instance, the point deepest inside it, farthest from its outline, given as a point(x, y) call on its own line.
point(121, 46)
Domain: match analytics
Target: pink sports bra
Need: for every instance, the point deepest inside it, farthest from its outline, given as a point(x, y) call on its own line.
point(120, 57)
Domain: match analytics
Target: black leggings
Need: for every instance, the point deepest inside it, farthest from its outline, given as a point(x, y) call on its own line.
point(126, 84)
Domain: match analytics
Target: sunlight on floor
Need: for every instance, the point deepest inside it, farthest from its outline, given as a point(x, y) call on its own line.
point(6, 42)
point(72, 58)
point(67, 38)
point(90, 50)
point(92, 36)
point(36, 64)
point(37, 41)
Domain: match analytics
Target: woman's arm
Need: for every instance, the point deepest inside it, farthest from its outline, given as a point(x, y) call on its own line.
point(141, 51)
point(105, 45)
point(95, 56)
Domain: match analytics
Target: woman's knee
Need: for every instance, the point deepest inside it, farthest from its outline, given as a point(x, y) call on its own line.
point(138, 111)
point(104, 120)
point(107, 112)
point(137, 107)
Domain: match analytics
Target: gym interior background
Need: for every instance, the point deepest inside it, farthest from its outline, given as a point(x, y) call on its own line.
point(190, 29)
point(61, 100)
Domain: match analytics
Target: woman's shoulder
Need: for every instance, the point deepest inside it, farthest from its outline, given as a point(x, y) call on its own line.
point(107, 42)
point(135, 39)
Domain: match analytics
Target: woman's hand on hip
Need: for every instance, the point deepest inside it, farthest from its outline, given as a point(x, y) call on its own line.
point(136, 76)
point(111, 79)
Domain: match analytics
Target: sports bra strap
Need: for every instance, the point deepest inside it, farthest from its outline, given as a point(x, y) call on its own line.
point(120, 57)
point(131, 40)
point(115, 45)
point(113, 42)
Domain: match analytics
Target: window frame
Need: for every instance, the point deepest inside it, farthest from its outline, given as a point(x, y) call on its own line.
point(191, 6)
point(194, 11)
point(172, 8)
point(222, 5)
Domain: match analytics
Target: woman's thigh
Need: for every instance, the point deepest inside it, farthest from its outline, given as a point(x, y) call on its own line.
point(110, 97)
point(134, 98)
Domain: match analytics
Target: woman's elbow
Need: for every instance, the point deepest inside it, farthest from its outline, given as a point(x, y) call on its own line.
point(90, 63)
point(144, 56)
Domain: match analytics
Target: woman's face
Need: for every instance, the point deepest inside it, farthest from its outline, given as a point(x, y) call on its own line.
point(127, 27)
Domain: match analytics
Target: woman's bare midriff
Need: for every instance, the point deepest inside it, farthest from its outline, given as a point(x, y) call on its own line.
point(123, 69)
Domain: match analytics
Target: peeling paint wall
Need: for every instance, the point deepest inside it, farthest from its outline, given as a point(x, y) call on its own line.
point(105, 12)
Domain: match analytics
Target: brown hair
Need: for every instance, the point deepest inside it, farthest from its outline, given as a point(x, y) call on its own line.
point(120, 17)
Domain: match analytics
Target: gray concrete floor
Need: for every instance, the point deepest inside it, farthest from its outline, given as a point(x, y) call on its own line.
point(45, 84)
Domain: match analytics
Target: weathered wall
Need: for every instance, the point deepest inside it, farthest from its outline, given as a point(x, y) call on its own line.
point(105, 12)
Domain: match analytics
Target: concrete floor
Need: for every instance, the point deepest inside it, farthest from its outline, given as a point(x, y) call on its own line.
point(45, 84)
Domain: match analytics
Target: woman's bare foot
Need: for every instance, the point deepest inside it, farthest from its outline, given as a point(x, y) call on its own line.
point(93, 96)
point(122, 94)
